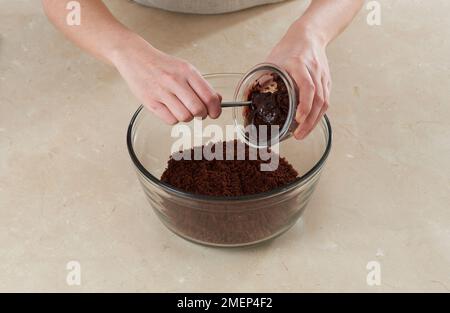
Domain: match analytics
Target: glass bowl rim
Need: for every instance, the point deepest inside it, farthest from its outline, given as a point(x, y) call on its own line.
point(258, 196)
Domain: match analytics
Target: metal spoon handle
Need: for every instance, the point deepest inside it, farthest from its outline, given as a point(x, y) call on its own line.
point(230, 104)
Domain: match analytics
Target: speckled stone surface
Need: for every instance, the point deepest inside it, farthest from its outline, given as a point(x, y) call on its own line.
point(68, 190)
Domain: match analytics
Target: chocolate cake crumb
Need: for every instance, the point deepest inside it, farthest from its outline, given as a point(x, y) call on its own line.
point(229, 223)
point(227, 177)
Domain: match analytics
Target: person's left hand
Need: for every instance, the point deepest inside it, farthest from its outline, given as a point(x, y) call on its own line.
point(304, 58)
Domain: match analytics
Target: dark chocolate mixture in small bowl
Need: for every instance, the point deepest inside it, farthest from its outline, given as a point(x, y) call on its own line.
point(273, 97)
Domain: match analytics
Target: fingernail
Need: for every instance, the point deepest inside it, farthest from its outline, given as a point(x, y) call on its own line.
point(303, 118)
point(215, 116)
point(302, 133)
point(300, 118)
point(297, 134)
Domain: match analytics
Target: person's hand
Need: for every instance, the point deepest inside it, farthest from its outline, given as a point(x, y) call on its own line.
point(303, 57)
point(169, 87)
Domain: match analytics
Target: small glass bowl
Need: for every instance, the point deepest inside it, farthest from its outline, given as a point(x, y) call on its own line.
point(242, 93)
point(224, 221)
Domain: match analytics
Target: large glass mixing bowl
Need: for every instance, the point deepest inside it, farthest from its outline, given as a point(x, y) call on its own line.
point(224, 221)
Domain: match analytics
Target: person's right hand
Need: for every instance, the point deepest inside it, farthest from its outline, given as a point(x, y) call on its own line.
point(169, 87)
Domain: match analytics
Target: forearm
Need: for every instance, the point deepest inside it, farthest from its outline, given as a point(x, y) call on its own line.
point(326, 19)
point(100, 33)
point(302, 53)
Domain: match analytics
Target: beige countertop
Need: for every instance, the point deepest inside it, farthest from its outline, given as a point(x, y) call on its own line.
point(68, 191)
